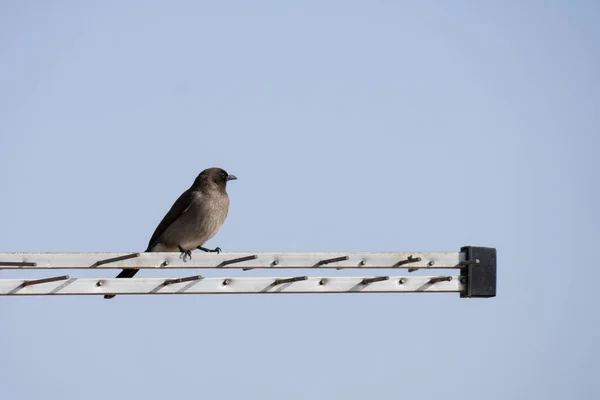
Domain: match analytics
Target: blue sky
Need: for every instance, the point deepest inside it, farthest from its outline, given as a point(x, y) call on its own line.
point(352, 126)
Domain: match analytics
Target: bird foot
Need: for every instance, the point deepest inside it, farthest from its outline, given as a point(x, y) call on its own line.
point(215, 250)
point(185, 254)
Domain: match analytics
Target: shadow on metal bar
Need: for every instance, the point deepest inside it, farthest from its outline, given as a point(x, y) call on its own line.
point(432, 282)
point(40, 281)
point(63, 285)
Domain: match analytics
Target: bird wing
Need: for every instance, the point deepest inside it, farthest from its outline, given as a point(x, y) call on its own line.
point(177, 209)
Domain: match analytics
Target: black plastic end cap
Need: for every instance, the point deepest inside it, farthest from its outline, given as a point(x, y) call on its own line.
point(480, 277)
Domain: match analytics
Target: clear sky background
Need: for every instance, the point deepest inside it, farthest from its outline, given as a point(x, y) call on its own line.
point(352, 126)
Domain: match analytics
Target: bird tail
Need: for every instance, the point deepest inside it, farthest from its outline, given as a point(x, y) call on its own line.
point(126, 273)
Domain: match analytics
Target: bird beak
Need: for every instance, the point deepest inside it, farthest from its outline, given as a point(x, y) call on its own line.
point(231, 177)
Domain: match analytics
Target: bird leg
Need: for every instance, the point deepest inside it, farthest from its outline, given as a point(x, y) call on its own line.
point(215, 250)
point(185, 254)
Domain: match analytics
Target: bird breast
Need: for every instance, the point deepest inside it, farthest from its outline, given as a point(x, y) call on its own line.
point(200, 221)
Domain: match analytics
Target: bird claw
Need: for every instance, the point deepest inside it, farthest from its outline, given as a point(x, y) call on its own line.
point(215, 250)
point(185, 254)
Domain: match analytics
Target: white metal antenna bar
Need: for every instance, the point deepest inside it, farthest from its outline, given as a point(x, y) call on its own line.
point(476, 265)
point(338, 260)
point(199, 285)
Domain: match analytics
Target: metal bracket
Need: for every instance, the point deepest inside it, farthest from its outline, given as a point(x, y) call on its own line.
point(478, 272)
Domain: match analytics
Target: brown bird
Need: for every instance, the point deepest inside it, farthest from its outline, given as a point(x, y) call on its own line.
point(193, 219)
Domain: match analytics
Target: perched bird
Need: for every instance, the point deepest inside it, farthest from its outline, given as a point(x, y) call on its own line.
point(193, 219)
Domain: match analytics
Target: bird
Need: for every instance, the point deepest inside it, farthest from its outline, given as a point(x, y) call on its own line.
point(194, 218)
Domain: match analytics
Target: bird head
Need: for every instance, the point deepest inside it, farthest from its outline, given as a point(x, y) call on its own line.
point(214, 177)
